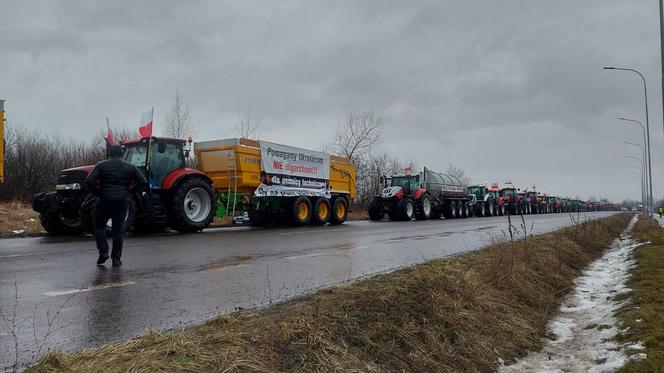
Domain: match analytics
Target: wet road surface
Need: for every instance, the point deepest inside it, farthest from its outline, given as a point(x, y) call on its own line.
point(170, 281)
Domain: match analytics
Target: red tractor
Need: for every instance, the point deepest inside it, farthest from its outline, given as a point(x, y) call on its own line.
point(178, 197)
point(512, 202)
point(428, 195)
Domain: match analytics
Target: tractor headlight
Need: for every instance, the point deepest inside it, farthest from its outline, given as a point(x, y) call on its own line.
point(74, 186)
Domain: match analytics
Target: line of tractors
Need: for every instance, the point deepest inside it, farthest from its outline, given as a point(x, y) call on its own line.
point(430, 195)
point(230, 178)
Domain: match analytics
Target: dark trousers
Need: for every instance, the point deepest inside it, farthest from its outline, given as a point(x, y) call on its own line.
point(116, 210)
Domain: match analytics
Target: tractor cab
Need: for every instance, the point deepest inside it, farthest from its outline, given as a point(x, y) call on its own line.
point(409, 183)
point(156, 156)
point(508, 192)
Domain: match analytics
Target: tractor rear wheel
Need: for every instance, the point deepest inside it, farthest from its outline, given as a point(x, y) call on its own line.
point(405, 209)
point(490, 208)
point(192, 206)
point(339, 210)
point(423, 208)
point(376, 211)
point(482, 211)
point(321, 211)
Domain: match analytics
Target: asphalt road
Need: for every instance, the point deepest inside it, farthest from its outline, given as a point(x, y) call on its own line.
point(170, 281)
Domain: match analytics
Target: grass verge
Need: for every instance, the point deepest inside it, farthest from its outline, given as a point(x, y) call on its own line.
point(459, 314)
point(19, 217)
point(644, 316)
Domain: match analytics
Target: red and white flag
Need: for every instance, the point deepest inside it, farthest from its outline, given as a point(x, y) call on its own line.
point(145, 129)
point(408, 169)
point(109, 134)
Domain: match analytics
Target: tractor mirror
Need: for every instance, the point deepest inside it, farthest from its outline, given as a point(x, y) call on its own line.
point(161, 146)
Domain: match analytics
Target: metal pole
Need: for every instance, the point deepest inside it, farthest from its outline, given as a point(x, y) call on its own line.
point(641, 175)
point(645, 91)
point(648, 176)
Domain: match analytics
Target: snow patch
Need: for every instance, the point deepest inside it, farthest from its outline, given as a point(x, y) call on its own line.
point(585, 326)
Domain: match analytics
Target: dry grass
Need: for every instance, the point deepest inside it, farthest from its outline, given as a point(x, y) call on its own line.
point(16, 216)
point(647, 300)
point(461, 314)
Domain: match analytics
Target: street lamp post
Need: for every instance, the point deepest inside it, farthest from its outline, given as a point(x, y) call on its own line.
point(647, 175)
point(643, 152)
point(644, 190)
point(645, 92)
point(641, 178)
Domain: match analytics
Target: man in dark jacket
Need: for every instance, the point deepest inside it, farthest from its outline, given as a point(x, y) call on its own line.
point(110, 180)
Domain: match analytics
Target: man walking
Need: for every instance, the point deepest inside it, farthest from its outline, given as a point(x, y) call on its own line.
point(110, 180)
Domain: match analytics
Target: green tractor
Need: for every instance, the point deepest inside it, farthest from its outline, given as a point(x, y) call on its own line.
point(483, 199)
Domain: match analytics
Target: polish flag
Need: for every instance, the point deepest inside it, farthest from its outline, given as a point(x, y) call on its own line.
point(109, 134)
point(145, 129)
point(408, 169)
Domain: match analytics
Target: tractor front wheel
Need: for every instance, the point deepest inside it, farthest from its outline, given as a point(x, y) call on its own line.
point(423, 210)
point(376, 211)
point(193, 206)
point(56, 224)
point(405, 209)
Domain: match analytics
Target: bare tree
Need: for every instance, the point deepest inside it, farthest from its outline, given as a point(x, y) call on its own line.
point(178, 120)
point(359, 134)
point(247, 127)
point(459, 173)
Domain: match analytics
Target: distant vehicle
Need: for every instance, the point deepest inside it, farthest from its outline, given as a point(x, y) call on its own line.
point(178, 197)
point(422, 196)
point(277, 184)
point(484, 199)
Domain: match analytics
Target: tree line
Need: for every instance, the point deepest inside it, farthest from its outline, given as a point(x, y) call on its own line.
point(34, 158)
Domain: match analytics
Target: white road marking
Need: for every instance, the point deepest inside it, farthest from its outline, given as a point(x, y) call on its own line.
point(303, 256)
point(55, 293)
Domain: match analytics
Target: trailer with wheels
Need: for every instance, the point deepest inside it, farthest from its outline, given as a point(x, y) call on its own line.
point(276, 184)
point(427, 195)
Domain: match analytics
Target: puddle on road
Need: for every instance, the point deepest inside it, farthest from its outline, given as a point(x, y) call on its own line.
point(234, 262)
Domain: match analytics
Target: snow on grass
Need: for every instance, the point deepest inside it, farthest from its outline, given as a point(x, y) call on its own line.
point(582, 333)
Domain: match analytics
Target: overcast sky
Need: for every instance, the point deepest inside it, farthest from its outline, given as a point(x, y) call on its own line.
point(509, 89)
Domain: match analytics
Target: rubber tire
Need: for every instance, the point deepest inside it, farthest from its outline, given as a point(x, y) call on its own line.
point(292, 211)
point(468, 213)
point(436, 213)
point(177, 217)
point(419, 207)
point(376, 210)
point(454, 213)
point(52, 223)
point(315, 217)
point(336, 202)
point(402, 209)
point(502, 211)
point(88, 208)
